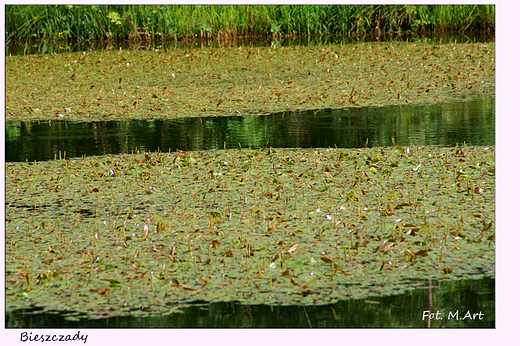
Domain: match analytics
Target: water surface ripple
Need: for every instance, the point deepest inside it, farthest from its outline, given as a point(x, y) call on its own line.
point(398, 311)
point(471, 122)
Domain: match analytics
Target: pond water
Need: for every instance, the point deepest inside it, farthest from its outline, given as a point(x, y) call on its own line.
point(57, 46)
point(400, 311)
point(470, 122)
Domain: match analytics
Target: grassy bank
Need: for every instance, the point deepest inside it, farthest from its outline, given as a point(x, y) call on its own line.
point(94, 22)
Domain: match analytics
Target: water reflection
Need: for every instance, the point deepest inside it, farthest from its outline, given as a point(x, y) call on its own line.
point(63, 46)
point(472, 122)
point(401, 311)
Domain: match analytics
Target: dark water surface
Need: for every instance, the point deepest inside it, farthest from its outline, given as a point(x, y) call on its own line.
point(471, 122)
point(451, 299)
point(56, 46)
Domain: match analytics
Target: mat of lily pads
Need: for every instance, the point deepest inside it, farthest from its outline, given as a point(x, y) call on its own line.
point(150, 84)
point(147, 233)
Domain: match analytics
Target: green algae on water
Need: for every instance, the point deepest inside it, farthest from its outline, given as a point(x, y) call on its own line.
point(135, 234)
point(153, 84)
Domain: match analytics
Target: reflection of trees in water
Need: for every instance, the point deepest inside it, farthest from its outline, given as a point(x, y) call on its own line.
point(441, 124)
point(399, 311)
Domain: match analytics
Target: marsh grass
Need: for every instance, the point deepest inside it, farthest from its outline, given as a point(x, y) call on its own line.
point(95, 22)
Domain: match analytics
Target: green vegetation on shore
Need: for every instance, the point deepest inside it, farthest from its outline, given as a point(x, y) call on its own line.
point(94, 22)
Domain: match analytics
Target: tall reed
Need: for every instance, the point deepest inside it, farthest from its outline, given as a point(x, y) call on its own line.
point(89, 22)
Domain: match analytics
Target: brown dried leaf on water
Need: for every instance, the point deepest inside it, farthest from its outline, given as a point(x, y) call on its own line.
point(144, 159)
point(413, 231)
point(100, 291)
point(447, 270)
point(306, 293)
point(455, 232)
point(329, 175)
point(160, 227)
point(293, 248)
point(383, 265)
point(286, 272)
point(248, 249)
point(202, 281)
point(487, 226)
point(383, 246)
point(219, 102)
point(327, 260)
point(421, 253)
point(173, 282)
point(214, 214)
point(27, 278)
point(462, 152)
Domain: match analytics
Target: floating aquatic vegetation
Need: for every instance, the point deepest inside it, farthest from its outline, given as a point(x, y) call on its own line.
point(136, 234)
point(118, 85)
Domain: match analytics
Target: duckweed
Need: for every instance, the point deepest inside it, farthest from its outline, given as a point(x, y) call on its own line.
point(148, 85)
point(144, 233)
